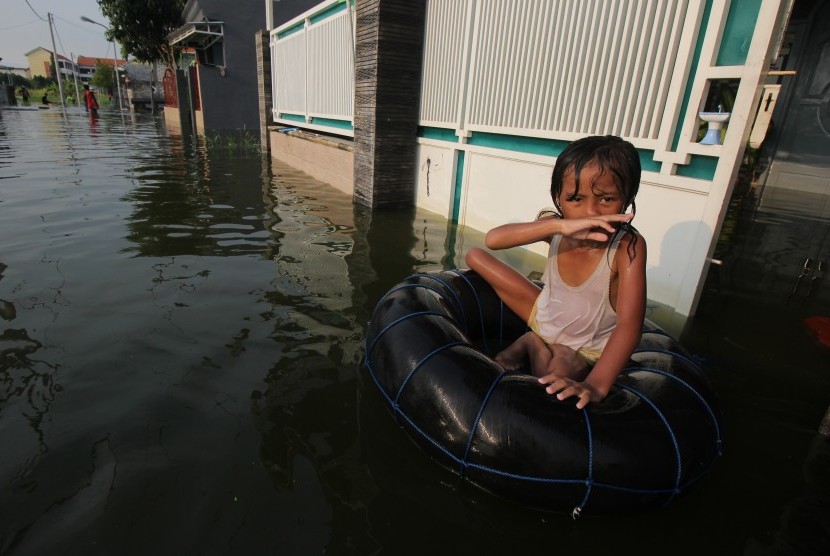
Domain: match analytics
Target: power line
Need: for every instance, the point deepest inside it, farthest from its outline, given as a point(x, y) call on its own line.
point(72, 23)
point(33, 10)
point(16, 26)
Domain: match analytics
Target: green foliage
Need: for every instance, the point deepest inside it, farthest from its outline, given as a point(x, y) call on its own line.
point(54, 93)
point(233, 141)
point(103, 77)
point(141, 27)
point(41, 82)
point(14, 79)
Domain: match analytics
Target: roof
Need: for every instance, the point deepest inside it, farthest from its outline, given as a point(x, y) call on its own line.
point(36, 49)
point(60, 56)
point(90, 61)
point(197, 34)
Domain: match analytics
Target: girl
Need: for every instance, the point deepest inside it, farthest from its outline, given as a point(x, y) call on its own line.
point(587, 318)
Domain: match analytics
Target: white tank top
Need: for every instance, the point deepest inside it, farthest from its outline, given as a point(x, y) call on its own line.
point(580, 317)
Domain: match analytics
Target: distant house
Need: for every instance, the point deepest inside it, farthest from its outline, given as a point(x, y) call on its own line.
point(217, 44)
point(40, 63)
point(86, 66)
point(22, 72)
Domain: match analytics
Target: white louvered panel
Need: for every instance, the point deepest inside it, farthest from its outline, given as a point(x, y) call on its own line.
point(443, 72)
point(561, 68)
point(606, 69)
point(540, 68)
point(331, 68)
point(580, 94)
point(289, 72)
point(586, 89)
point(551, 69)
point(649, 71)
point(628, 63)
point(669, 53)
point(642, 70)
point(616, 48)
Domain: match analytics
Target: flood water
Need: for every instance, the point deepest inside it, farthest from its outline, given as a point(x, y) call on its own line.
point(180, 370)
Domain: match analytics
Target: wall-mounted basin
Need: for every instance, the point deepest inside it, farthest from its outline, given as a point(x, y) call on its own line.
point(715, 121)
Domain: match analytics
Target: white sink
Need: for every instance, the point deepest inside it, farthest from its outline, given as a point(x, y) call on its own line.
point(715, 120)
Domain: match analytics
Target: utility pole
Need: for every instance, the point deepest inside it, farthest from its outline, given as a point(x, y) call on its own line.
point(75, 75)
point(55, 57)
point(153, 90)
point(114, 58)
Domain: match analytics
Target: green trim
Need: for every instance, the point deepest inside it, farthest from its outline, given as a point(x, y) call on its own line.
point(328, 122)
point(647, 161)
point(704, 23)
point(292, 117)
point(328, 12)
point(296, 28)
point(700, 167)
point(738, 31)
point(325, 14)
point(437, 133)
point(533, 145)
point(459, 179)
point(331, 122)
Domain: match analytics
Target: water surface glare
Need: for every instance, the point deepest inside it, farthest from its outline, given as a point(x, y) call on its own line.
point(180, 369)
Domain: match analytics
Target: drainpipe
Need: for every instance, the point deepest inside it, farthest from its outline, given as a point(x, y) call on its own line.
point(190, 101)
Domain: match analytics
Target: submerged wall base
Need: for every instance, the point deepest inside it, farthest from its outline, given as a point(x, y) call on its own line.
point(328, 159)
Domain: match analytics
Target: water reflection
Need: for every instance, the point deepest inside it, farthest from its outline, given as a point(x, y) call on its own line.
point(180, 367)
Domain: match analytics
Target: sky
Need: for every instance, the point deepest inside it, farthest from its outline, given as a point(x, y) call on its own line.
point(22, 30)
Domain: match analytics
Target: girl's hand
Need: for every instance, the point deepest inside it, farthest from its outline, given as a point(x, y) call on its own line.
point(567, 388)
point(598, 228)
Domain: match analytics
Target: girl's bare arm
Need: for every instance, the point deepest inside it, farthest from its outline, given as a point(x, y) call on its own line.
point(598, 228)
point(631, 308)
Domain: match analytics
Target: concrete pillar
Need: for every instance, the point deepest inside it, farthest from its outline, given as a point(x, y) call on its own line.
point(388, 50)
point(263, 76)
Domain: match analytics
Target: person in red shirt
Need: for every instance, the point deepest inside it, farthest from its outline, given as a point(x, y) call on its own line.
point(90, 101)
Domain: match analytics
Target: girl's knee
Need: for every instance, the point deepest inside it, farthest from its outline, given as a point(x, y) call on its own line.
point(477, 257)
point(568, 363)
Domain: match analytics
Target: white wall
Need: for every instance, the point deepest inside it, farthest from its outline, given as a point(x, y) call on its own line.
point(484, 75)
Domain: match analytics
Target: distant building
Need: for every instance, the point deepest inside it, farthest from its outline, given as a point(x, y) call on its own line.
point(22, 72)
point(86, 66)
point(218, 46)
point(40, 63)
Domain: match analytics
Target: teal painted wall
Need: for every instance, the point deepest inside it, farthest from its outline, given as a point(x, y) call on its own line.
point(737, 33)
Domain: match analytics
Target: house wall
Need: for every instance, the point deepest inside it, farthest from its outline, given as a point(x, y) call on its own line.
point(508, 84)
point(228, 93)
point(327, 159)
point(313, 68)
point(39, 62)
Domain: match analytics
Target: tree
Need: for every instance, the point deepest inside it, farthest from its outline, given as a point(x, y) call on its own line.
point(16, 80)
point(103, 78)
point(41, 82)
point(141, 27)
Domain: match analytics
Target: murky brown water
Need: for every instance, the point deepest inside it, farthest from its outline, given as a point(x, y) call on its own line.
point(180, 370)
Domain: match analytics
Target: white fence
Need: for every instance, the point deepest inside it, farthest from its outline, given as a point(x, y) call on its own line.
point(313, 69)
point(505, 83)
point(566, 69)
point(559, 70)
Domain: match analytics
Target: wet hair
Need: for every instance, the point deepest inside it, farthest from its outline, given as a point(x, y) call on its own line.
point(612, 154)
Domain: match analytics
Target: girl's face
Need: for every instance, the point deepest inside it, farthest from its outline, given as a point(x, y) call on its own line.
point(598, 194)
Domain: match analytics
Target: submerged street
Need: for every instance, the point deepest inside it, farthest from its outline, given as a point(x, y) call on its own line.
point(181, 339)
